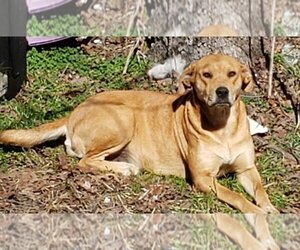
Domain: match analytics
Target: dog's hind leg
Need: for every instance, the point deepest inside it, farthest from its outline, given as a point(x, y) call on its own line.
point(97, 163)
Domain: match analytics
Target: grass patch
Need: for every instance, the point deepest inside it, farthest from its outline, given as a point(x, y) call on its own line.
point(272, 172)
point(62, 25)
point(258, 102)
point(279, 30)
point(292, 70)
point(179, 183)
point(50, 95)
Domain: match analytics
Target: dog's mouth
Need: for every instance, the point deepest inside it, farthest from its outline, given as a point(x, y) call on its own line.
point(222, 104)
point(220, 100)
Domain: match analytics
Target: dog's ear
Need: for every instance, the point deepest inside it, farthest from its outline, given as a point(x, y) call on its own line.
point(187, 78)
point(247, 79)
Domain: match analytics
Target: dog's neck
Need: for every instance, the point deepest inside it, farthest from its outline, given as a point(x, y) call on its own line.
point(215, 117)
point(219, 117)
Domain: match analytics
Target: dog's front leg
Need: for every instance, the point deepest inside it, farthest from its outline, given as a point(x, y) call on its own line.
point(232, 227)
point(251, 182)
point(205, 182)
point(260, 225)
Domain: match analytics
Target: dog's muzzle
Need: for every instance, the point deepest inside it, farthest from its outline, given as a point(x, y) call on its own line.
point(222, 97)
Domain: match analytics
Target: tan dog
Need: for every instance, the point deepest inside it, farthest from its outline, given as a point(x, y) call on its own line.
point(203, 134)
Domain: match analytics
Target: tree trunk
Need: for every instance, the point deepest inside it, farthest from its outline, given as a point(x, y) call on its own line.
point(189, 17)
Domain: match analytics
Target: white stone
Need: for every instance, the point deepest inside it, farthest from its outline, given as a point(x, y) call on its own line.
point(97, 41)
point(106, 200)
point(106, 231)
point(97, 6)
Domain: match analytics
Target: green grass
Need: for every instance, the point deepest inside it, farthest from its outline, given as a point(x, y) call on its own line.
point(62, 25)
point(202, 235)
point(279, 30)
point(292, 70)
point(272, 169)
point(69, 25)
point(49, 96)
point(256, 101)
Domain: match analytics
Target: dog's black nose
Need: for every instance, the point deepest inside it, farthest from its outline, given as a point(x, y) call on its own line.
point(222, 92)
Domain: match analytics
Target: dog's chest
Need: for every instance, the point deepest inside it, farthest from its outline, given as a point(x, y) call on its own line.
point(227, 156)
point(217, 157)
point(227, 159)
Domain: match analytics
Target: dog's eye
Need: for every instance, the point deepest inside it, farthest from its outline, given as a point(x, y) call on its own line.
point(207, 75)
point(231, 74)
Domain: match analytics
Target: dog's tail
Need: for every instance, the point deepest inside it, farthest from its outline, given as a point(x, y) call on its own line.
point(30, 137)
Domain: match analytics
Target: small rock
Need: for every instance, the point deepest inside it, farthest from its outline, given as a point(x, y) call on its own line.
point(97, 6)
point(87, 185)
point(106, 200)
point(106, 231)
point(155, 197)
point(97, 41)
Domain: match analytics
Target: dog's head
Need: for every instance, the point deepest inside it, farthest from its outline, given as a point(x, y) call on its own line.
point(217, 80)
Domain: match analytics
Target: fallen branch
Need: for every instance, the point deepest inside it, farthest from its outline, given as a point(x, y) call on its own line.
point(289, 156)
point(131, 54)
point(134, 17)
point(270, 90)
point(272, 50)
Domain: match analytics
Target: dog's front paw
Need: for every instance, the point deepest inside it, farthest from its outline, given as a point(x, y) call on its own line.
point(269, 209)
point(270, 244)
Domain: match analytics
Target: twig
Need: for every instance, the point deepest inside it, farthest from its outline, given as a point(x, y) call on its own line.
point(272, 51)
point(153, 246)
point(134, 17)
point(122, 203)
point(65, 70)
point(123, 237)
point(142, 25)
point(145, 222)
point(269, 185)
point(131, 53)
point(142, 54)
point(107, 186)
point(252, 96)
point(284, 153)
point(271, 68)
point(144, 195)
point(287, 155)
point(273, 17)
point(282, 110)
